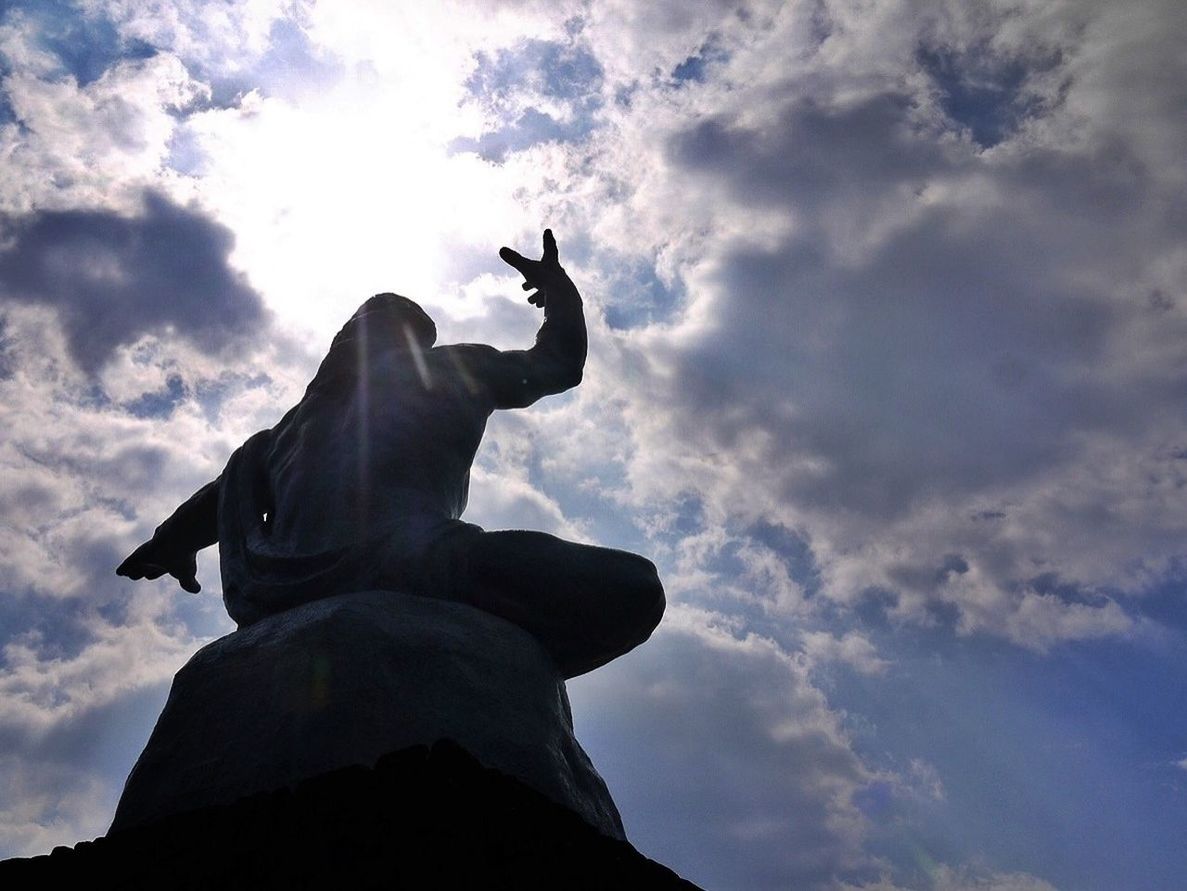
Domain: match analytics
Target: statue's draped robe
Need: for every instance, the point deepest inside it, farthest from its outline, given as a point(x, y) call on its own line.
point(372, 466)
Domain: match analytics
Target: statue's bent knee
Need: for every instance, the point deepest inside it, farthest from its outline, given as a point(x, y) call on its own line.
point(643, 600)
point(655, 599)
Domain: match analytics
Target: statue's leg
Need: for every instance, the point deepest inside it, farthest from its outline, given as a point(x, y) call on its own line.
point(586, 604)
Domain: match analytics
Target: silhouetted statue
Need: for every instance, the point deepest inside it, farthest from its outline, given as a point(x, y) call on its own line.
point(361, 486)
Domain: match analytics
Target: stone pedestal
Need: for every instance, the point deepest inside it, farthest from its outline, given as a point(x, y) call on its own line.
point(344, 680)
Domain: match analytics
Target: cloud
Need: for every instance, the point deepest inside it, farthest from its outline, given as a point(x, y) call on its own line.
point(947, 878)
point(503, 499)
point(644, 43)
point(89, 464)
point(96, 145)
point(70, 38)
point(114, 278)
point(220, 40)
point(886, 308)
point(851, 649)
point(537, 91)
point(772, 804)
point(915, 307)
point(55, 805)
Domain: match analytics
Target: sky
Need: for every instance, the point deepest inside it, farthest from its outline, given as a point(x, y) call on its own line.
point(888, 356)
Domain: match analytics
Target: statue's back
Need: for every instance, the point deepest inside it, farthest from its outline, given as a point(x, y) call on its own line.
point(387, 447)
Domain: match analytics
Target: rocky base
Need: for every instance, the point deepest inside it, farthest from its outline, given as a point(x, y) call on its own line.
point(344, 680)
point(420, 819)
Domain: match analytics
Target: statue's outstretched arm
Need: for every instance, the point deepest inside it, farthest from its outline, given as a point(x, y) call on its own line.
point(174, 546)
point(556, 361)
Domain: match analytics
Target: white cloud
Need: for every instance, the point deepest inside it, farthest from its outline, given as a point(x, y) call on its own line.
point(850, 649)
point(93, 146)
point(58, 805)
point(859, 357)
point(76, 459)
point(875, 338)
point(40, 692)
point(947, 878)
point(506, 500)
point(225, 38)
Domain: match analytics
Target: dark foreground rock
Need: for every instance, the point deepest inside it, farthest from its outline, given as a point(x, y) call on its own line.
point(421, 818)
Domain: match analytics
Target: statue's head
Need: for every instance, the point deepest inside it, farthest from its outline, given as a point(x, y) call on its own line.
point(389, 320)
point(384, 322)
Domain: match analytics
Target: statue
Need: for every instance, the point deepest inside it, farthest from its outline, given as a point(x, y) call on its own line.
point(361, 485)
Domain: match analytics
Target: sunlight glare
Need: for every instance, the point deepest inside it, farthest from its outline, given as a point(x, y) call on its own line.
point(355, 191)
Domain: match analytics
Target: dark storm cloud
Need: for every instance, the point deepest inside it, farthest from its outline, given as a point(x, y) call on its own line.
point(114, 278)
point(812, 153)
point(953, 354)
point(939, 364)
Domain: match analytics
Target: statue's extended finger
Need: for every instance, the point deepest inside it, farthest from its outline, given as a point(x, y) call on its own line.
point(514, 258)
point(190, 584)
point(550, 251)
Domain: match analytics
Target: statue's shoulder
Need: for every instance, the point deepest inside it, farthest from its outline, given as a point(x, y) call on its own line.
point(479, 358)
point(473, 367)
point(468, 349)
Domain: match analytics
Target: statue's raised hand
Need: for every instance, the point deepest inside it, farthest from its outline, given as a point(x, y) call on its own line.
point(153, 559)
point(542, 276)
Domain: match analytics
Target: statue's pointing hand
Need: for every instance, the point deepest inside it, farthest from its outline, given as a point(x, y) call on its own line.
point(540, 275)
point(151, 561)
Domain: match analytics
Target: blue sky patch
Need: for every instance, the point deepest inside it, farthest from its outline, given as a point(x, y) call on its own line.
point(1038, 755)
point(185, 153)
point(690, 515)
point(636, 296)
point(793, 549)
point(52, 626)
point(556, 70)
point(533, 127)
point(211, 393)
point(695, 68)
point(94, 396)
point(982, 93)
point(7, 113)
point(293, 66)
point(513, 84)
point(161, 403)
point(7, 363)
point(86, 44)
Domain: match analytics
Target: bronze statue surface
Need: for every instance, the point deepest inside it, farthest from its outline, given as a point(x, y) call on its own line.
point(362, 484)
